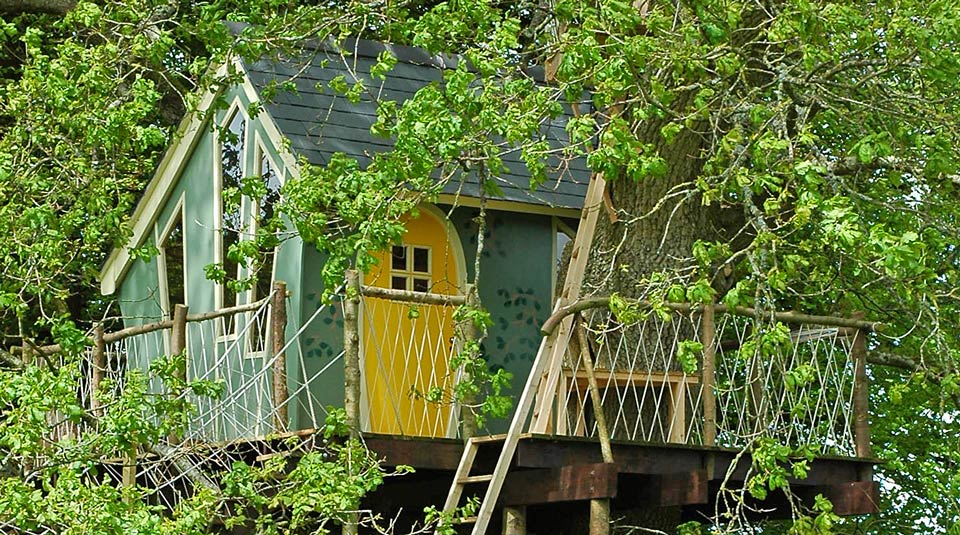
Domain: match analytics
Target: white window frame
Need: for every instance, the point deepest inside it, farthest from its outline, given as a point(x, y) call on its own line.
point(162, 235)
point(260, 152)
point(219, 255)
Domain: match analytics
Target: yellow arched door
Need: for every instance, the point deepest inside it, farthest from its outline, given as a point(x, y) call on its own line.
point(407, 347)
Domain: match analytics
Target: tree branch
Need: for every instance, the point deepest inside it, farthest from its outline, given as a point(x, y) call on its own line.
point(56, 7)
point(883, 358)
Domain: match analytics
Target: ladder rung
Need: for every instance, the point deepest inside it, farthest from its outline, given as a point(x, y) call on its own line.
point(488, 438)
point(475, 479)
point(466, 520)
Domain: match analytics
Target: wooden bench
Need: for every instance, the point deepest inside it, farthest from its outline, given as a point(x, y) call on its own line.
point(677, 382)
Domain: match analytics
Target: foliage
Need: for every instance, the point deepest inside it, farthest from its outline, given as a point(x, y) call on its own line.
point(824, 143)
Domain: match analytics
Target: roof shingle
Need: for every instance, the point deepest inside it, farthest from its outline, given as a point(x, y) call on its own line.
point(319, 122)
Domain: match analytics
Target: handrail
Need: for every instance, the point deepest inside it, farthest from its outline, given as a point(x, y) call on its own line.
point(406, 296)
point(159, 325)
point(785, 316)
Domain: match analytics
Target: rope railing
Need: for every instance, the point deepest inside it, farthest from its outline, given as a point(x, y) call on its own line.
point(270, 390)
point(404, 343)
point(714, 376)
point(782, 316)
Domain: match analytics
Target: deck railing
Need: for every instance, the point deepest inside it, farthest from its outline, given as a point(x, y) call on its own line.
point(244, 349)
point(714, 376)
point(400, 372)
point(683, 374)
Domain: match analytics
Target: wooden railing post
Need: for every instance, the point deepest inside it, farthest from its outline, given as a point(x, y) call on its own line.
point(708, 379)
point(178, 344)
point(278, 336)
point(351, 371)
point(861, 393)
point(178, 334)
point(467, 331)
point(98, 368)
point(128, 474)
point(351, 352)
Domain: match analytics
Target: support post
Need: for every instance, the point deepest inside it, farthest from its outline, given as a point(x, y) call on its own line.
point(605, 449)
point(351, 352)
point(515, 520)
point(599, 507)
point(467, 330)
point(178, 344)
point(278, 336)
point(708, 378)
point(98, 367)
point(351, 360)
point(599, 517)
point(128, 476)
point(861, 393)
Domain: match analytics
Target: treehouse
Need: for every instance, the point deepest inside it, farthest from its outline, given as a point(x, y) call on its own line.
point(612, 411)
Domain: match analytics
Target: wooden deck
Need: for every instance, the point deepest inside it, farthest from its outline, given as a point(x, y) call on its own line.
point(550, 470)
point(553, 478)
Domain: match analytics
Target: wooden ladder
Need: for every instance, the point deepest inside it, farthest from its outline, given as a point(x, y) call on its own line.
point(463, 478)
point(494, 481)
point(544, 376)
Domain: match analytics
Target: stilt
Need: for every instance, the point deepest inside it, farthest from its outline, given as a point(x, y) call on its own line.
point(600, 517)
point(515, 520)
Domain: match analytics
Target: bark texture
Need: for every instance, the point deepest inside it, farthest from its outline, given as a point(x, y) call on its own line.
point(658, 219)
point(57, 7)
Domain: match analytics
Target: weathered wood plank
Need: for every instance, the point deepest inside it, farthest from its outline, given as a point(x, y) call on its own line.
point(850, 498)
point(667, 490)
point(564, 484)
point(418, 453)
point(646, 459)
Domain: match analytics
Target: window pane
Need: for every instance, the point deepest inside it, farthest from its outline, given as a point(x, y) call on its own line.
point(267, 206)
point(421, 285)
point(231, 172)
point(272, 182)
point(421, 260)
point(264, 276)
point(173, 263)
point(399, 258)
point(398, 283)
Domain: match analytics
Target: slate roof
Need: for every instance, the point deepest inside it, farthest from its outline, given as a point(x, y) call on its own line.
point(320, 122)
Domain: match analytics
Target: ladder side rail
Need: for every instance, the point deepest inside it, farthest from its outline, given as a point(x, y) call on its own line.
point(513, 437)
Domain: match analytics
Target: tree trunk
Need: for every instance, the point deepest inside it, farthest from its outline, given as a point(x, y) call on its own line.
point(648, 238)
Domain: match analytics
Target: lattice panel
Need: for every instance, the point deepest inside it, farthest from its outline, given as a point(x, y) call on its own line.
point(798, 391)
point(645, 394)
point(801, 394)
point(406, 352)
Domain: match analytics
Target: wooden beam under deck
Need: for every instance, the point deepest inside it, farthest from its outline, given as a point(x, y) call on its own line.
point(548, 469)
point(564, 484)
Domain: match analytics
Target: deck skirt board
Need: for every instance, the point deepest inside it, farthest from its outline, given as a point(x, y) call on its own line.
point(550, 469)
point(564, 484)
